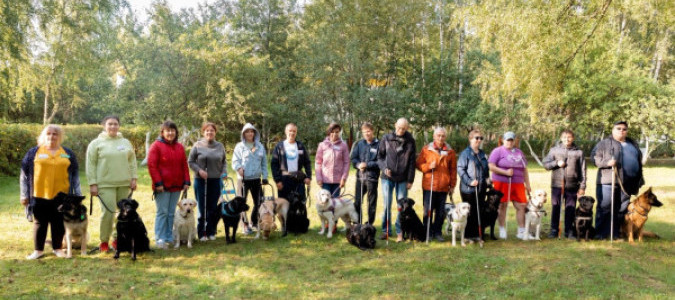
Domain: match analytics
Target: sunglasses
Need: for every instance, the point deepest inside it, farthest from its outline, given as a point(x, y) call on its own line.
point(478, 138)
point(621, 128)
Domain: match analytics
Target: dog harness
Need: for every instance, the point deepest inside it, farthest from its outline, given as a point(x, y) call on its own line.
point(632, 209)
point(224, 210)
point(331, 208)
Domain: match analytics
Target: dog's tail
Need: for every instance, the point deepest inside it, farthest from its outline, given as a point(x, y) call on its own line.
point(650, 234)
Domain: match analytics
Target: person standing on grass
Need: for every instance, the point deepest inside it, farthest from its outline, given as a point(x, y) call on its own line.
point(111, 173)
point(207, 160)
point(289, 159)
point(568, 166)
point(438, 164)
point(46, 171)
point(332, 161)
point(509, 172)
point(622, 154)
point(249, 159)
point(473, 171)
point(396, 157)
point(170, 175)
point(364, 160)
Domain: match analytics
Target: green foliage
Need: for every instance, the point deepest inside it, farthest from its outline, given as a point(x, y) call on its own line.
point(15, 140)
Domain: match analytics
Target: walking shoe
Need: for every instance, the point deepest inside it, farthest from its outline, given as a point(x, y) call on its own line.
point(440, 238)
point(212, 237)
point(204, 239)
point(59, 253)
point(384, 236)
point(103, 247)
point(35, 255)
point(520, 235)
point(161, 244)
point(114, 244)
point(248, 231)
point(502, 233)
point(552, 234)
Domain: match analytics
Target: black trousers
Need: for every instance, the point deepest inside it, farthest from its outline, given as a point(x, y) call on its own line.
point(44, 215)
point(370, 189)
point(254, 187)
point(471, 230)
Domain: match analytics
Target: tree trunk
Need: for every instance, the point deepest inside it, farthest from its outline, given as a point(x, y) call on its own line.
point(460, 67)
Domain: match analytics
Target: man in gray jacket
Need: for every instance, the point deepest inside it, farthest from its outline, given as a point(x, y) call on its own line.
point(620, 153)
point(567, 162)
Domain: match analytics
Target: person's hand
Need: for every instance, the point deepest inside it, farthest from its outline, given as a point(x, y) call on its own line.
point(159, 189)
point(561, 163)
point(280, 186)
point(611, 163)
point(509, 173)
point(408, 185)
point(581, 192)
point(132, 185)
point(265, 181)
point(186, 187)
point(474, 183)
point(24, 201)
point(432, 165)
point(241, 172)
point(307, 181)
point(387, 172)
point(342, 183)
point(488, 181)
point(362, 166)
point(93, 190)
point(319, 183)
point(203, 174)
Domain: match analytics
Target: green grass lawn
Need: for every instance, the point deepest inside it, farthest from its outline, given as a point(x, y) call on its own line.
point(310, 266)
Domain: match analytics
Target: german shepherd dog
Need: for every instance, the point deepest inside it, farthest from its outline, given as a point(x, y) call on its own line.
point(636, 217)
point(583, 218)
point(131, 233)
point(491, 210)
point(231, 214)
point(411, 225)
point(75, 222)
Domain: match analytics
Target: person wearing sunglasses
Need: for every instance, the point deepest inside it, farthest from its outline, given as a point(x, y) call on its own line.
point(473, 171)
point(621, 153)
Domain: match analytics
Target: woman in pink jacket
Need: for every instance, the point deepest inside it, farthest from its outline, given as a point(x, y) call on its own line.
point(332, 161)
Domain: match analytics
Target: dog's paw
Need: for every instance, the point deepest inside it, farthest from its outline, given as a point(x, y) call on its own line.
point(321, 232)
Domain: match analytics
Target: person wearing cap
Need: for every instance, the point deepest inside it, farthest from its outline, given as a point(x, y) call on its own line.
point(568, 166)
point(249, 159)
point(509, 173)
point(617, 155)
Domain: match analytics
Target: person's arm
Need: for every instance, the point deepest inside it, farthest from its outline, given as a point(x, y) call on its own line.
point(411, 164)
point(237, 160)
point(354, 156)
point(91, 163)
point(223, 162)
point(24, 180)
point(550, 163)
point(307, 164)
point(318, 163)
point(153, 167)
point(186, 169)
point(526, 175)
point(265, 174)
point(192, 159)
point(74, 173)
point(599, 157)
point(463, 169)
point(345, 163)
point(382, 155)
point(275, 163)
point(582, 179)
point(133, 165)
point(453, 170)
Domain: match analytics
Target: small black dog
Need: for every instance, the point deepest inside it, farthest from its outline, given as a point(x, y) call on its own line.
point(296, 220)
point(490, 210)
point(131, 233)
point(362, 236)
point(231, 213)
point(583, 220)
point(411, 225)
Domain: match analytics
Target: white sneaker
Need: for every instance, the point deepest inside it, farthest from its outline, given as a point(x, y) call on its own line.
point(161, 244)
point(212, 237)
point(520, 235)
point(35, 255)
point(502, 233)
point(204, 239)
point(59, 253)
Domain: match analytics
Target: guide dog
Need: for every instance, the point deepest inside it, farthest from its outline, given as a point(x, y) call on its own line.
point(75, 222)
point(231, 214)
point(184, 228)
point(131, 233)
point(636, 217)
point(266, 213)
point(491, 210)
point(411, 225)
point(583, 218)
point(533, 216)
point(361, 236)
point(460, 217)
point(331, 209)
point(296, 221)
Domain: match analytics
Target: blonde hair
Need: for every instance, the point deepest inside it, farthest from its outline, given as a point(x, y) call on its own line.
point(42, 139)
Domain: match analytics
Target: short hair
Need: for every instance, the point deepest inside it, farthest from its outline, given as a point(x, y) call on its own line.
point(567, 131)
point(440, 128)
point(42, 138)
point(404, 121)
point(290, 124)
point(206, 125)
point(367, 125)
point(474, 133)
point(114, 117)
point(168, 124)
point(332, 126)
point(620, 123)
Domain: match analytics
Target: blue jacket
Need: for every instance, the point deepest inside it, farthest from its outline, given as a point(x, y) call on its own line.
point(364, 152)
point(467, 165)
point(27, 169)
point(253, 162)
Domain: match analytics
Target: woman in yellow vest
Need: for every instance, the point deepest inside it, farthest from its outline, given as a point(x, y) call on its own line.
point(47, 170)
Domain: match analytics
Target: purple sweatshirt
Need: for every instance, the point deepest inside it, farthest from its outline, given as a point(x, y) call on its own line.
point(509, 159)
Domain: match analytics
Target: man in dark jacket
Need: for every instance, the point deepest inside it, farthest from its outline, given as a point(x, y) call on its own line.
point(621, 154)
point(364, 160)
point(567, 162)
point(396, 158)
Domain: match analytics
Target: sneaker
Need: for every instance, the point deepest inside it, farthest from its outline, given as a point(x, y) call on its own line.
point(502, 233)
point(59, 253)
point(440, 238)
point(204, 239)
point(161, 244)
point(520, 235)
point(384, 236)
point(103, 247)
point(114, 244)
point(212, 237)
point(552, 235)
point(248, 231)
point(399, 237)
point(35, 255)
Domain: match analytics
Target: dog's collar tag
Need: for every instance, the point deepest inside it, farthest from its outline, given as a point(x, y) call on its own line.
point(82, 217)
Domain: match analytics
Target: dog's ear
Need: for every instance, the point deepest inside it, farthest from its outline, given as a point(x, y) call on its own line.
point(134, 203)
point(120, 204)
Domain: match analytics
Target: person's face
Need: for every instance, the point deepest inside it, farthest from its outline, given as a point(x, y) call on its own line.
point(209, 133)
point(111, 127)
point(401, 128)
point(567, 139)
point(439, 137)
point(291, 132)
point(169, 134)
point(509, 143)
point(619, 132)
point(367, 134)
point(52, 138)
point(249, 135)
point(475, 141)
point(334, 135)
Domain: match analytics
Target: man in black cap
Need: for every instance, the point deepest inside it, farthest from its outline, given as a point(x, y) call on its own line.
point(620, 156)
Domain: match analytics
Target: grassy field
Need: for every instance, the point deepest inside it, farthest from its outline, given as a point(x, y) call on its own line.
point(310, 266)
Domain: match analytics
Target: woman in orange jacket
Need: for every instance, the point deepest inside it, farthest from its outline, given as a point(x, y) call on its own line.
point(438, 161)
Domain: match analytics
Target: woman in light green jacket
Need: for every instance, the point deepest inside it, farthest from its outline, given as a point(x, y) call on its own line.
point(111, 173)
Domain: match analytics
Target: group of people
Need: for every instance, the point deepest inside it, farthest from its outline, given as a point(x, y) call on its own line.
point(111, 170)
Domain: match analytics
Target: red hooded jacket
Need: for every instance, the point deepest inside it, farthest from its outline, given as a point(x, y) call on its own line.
point(168, 166)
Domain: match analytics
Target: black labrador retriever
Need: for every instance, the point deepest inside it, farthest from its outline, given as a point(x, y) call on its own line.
point(132, 236)
point(231, 214)
point(411, 225)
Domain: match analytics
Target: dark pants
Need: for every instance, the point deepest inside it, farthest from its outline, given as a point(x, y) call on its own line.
point(570, 206)
point(370, 188)
point(291, 184)
point(603, 210)
point(333, 188)
point(45, 214)
point(254, 187)
point(437, 211)
point(471, 230)
point(207, 194)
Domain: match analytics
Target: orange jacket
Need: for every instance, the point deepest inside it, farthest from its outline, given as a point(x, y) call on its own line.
point(445, 173)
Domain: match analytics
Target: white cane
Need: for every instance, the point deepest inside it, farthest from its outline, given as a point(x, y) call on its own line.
point(480, 226)
point(431, 197)
point(611, 222)
point(361, 199)
point(206, 197)
point(506, 212)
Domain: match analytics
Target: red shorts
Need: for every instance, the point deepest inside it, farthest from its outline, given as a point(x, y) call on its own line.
point(517, 191)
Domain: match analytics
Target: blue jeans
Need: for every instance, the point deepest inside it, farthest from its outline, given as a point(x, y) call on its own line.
point(387, 193)
point(604, 208)
point(166, 207)
point(332, 188)
point(437, 211)
point(208, 219)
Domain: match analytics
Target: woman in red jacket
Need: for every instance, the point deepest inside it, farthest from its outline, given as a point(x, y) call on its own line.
point(168, 169)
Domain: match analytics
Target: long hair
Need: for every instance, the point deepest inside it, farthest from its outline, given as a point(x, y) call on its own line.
point(42, 138)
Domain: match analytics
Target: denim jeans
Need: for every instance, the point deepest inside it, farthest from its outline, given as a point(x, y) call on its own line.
point(166, 207)
point(207, 204)
point(437, 211)
point(603, 210)
point(388, 187)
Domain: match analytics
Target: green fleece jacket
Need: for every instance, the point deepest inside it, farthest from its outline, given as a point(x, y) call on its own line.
point(111, 161)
